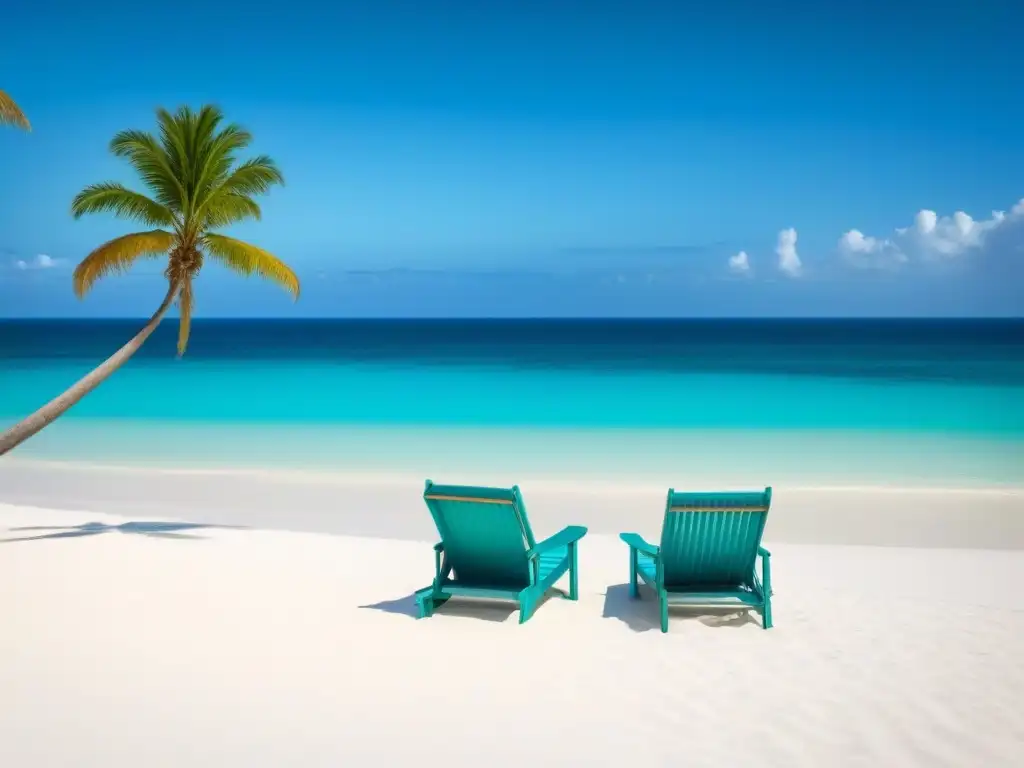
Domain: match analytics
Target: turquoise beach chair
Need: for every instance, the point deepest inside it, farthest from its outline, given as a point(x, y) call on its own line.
point(709, 545)
point(487, 549)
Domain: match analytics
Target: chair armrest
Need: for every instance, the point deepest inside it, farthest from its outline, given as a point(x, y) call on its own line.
point(763, 552)
point(439, 562)
point(636, 541)
point(566, 536)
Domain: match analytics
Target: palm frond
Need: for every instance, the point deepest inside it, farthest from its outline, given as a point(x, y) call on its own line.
point(11, 114)
point(185, 306)
point(150, 161)
point(247, 259)
point(194, 130)
point(252, 177)
point(215, 157)
point(201, 154)
point(111, 197)
point(216, 154)
point(118, 255)
point(227, 209)
point(172, 144)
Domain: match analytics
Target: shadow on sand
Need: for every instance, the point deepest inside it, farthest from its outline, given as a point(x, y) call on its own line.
point(641, 615)
point(159, 530)
point(462, 607)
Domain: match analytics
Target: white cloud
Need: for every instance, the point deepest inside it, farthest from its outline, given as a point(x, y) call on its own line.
point(930, 237)
point(789, 259)
point(740, 263)
point(42, 261)
point(863, 251)
point(948, 235)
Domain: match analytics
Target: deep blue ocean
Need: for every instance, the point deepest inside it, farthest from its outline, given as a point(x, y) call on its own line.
point(825, 398)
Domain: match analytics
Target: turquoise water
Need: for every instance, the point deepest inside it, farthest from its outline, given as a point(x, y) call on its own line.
point(859, 402)
point(361, 393)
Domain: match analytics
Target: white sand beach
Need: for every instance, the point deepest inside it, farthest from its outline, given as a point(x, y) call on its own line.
point(126, 643)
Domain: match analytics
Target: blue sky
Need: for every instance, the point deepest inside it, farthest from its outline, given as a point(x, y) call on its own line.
point(546, 158)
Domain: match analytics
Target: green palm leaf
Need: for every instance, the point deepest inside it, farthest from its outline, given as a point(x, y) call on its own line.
point(111, 197)
point(150, 161)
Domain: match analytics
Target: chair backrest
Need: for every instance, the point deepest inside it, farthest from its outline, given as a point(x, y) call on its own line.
point(712, 538)
point(485, 532)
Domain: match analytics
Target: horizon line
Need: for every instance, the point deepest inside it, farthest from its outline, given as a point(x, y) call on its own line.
point(532, 318)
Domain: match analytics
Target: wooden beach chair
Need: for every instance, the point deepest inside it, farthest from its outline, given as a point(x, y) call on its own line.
point(487, 549)
point(709, 545)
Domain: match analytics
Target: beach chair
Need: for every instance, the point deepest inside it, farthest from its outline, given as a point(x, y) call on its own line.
point(709, 545)
point(487, 549)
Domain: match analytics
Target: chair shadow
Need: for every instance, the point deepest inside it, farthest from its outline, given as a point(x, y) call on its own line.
point(152, 529)
point(641, 615)
point(486, 609)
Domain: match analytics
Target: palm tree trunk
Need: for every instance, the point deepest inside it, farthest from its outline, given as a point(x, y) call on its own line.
point(24, 429)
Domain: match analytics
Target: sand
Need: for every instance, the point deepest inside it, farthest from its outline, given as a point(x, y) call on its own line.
point(389, 505)
point(250, 647)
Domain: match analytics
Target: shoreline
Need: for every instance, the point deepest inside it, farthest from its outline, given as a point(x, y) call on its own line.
point(388, 505)
point(630, 456)
point(574, 481)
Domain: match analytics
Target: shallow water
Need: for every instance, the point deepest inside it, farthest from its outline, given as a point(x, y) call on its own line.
point(937, 402)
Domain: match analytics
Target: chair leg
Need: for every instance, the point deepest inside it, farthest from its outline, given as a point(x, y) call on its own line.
point(664, 612)
point(422, 607)
point(428, 600)
point(633, 591)
point(574, 576)
point(424, 604)
point(766, 574)
point(525, 608)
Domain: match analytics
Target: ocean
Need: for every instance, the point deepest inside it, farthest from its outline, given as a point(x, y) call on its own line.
point(754, 402)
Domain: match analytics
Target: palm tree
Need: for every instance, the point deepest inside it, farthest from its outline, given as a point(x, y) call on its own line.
point(196, 186)
point(11, 114)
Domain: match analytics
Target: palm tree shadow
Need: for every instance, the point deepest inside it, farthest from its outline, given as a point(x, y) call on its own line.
point(462, 607)
point(151, 529)
point(641, 614)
